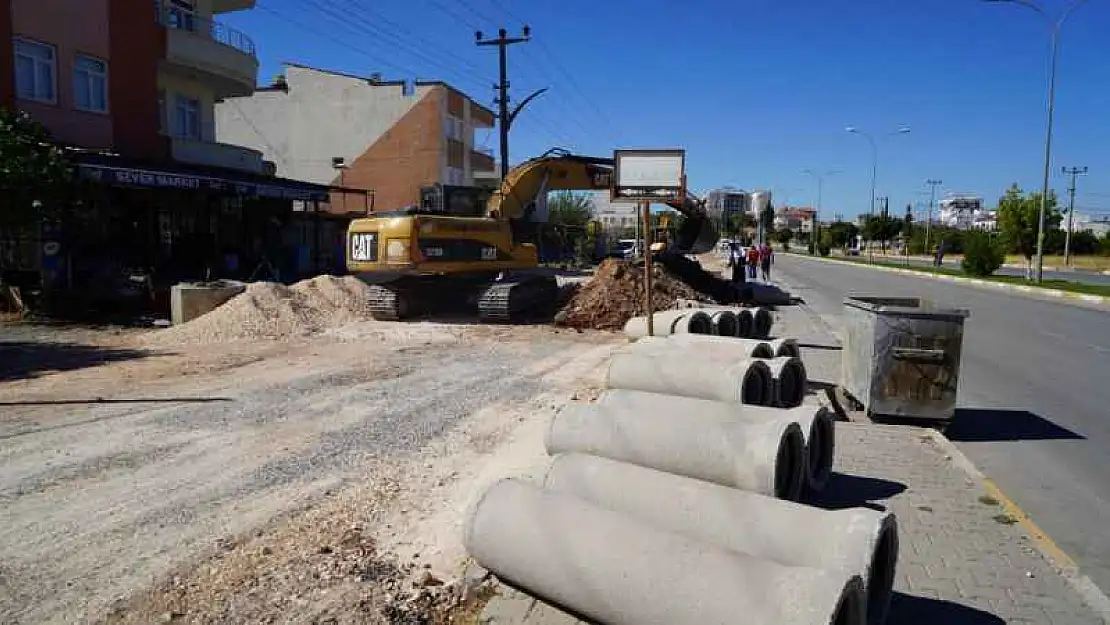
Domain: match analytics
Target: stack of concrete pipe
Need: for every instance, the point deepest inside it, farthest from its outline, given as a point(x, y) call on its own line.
point(735, 323)
point(691, 461)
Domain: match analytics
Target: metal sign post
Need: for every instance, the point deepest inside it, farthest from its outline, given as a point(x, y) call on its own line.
point(643, 177)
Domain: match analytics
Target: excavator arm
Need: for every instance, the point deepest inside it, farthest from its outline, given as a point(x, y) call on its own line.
point(519, 192)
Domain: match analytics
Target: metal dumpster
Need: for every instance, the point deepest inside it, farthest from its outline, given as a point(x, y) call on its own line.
point(901, 356)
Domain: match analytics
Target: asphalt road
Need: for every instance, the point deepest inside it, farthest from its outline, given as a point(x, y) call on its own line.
point(1083, 277)
point(1034, 395)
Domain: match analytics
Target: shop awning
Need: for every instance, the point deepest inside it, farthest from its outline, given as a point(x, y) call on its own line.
point(124, 172)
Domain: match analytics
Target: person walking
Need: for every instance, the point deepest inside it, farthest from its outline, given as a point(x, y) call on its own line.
point(736, 262)
point(753, 261)
point(766, 258)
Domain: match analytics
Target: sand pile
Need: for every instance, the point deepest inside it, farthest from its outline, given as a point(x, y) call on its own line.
point(616, 294)
point(267, 310)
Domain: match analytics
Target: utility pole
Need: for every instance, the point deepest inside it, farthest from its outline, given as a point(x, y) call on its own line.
point(1073, 172)
point(504, 117)
point(933, 184)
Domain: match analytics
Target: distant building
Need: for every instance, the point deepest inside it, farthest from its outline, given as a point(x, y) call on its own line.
point(727, 201)
point(1099, 225)
point(394, 137)
point(759, 202)
point(796, 219)
point(962, 211)
point(613, 215)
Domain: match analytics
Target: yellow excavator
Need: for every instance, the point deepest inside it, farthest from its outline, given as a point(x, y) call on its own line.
point(441, 258)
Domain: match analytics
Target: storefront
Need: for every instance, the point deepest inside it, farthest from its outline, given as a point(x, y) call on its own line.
point(137, 228)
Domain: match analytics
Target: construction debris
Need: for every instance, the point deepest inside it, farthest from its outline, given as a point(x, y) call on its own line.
point(616, 294)
point(268, 310)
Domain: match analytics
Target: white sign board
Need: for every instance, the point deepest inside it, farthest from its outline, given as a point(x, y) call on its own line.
point(652, 175)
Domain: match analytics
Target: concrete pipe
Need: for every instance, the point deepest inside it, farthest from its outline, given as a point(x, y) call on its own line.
point(819, 427)
point(817, 423)
point(763, 456)
point(785, 347)
point(762, 320)
point(610, 568)
point(690, 374)
point(670, 322)
point(789, 381)
point(744, 323)
point(857, 541)
point(741, 348)
point(724, 322)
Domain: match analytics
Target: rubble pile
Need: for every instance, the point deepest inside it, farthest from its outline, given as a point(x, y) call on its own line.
point(616, 294)
point(268, 310)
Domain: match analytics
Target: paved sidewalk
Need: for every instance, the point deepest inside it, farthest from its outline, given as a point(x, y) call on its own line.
point(962, 560)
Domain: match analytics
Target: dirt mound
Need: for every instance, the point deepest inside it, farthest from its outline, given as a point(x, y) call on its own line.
point(267, 310)
point(616, 294)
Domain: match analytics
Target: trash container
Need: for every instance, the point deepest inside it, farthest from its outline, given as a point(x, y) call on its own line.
point(901, 356)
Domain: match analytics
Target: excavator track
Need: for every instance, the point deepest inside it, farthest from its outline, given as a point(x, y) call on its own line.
point(511, 300)
point(390, 304)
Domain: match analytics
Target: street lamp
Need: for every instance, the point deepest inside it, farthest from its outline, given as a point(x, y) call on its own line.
point(875, 155)
point(1055, 26)
point(820, 176)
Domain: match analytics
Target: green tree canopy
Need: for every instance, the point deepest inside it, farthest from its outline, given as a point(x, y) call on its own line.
point(33, 173)
point(567, 208)
point(1018, 214)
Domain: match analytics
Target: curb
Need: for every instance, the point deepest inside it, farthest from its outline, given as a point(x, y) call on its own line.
point(1091, 594)
point(1002, 286)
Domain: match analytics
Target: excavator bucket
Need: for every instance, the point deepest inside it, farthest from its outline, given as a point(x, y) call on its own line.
point(697, 235)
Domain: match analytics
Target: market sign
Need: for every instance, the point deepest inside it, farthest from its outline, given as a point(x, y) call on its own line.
point(166, 180)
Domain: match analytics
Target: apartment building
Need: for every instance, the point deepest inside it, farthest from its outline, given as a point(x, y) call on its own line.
point(395, 137)
point(614, 216)
point(129, 88)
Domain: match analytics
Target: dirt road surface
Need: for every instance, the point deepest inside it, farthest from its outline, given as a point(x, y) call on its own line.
point(262, 481)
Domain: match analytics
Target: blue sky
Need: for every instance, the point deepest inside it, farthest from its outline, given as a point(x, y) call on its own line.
point(754, 90)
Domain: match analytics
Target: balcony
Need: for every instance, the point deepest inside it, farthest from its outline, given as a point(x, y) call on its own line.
point(215, 154)
point(227, 6)
point(200, 48)
point(480, 160)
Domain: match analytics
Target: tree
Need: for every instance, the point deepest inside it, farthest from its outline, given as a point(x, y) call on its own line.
point(1018, 215)
point(784, 237)
point(982, 254)
point(567, 208)
point(841, 233)
point(34, 174)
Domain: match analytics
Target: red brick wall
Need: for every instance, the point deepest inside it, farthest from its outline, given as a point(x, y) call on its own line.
point(137, 44)
point(7, 63)
point(403, 159)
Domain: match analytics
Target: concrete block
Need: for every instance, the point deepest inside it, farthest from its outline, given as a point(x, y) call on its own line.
point(763, 455)
point(857, 541)
point(612, 568)
point(190, 300)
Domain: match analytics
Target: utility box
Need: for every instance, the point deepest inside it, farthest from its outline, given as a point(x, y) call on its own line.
point(901, 357)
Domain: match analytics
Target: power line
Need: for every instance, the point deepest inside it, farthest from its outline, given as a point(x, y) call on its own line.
point(457, 16)
point(346, 19)
point(481, 16)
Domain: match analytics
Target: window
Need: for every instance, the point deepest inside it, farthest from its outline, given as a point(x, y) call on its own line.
point(181, 15)
point(454, 128)
point(186, 117)
point(90, 84)
point(34, 71)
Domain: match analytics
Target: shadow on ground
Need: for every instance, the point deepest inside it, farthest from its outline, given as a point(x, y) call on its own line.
point(26, 359)
point(851, 491)
point(992, 424)
point(910, 610)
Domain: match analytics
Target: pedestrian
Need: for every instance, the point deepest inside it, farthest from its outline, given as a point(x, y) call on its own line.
point(939, 260)
point(736, 262)
point(766, 258)
point(753, 261)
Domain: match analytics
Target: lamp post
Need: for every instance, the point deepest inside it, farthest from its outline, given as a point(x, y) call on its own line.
point(1055, 25)
point(874, 156)
point(820, 176)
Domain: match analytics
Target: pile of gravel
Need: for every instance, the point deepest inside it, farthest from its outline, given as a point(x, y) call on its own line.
point(268, 310)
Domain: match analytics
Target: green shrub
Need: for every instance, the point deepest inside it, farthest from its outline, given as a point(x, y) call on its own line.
point(982, 254)
point(824, 249)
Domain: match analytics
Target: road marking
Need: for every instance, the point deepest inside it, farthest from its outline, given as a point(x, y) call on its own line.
point(1044, 543)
